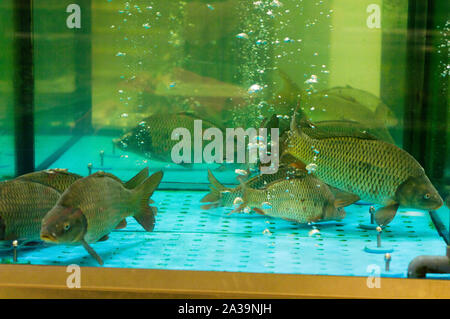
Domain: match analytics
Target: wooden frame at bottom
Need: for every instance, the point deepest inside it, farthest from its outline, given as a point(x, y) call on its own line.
point(31, 281)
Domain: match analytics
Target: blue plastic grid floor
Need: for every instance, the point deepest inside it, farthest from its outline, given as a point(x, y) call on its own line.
point(188, 238)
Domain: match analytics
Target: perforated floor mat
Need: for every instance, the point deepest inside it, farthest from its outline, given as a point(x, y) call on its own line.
point(188, 238)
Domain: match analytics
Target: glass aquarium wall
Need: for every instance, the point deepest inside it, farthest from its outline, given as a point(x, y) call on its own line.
point(304, 137)
point(437, 100)
point(7, 165)
point(62, 100)
point(235, 64)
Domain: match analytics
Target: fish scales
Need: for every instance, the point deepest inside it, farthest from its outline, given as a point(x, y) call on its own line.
point(58, 179)
point(23, 205)
point(105, 203)
point(95, 205)
point(153, 136)
point(301, 200)
point(369, 168)
point(260, 181)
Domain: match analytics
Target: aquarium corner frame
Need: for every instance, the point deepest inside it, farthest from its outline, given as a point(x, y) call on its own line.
point(23, 87)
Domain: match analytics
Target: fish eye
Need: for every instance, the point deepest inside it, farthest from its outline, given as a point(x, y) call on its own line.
point(427, 196)
point(66, 226)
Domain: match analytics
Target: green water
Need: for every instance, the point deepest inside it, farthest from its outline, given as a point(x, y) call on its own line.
point(233, 63)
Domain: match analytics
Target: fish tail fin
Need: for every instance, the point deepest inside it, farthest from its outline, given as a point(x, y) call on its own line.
point(145, 214)
point(214, 196)
point(299, 120)
point(137, 180)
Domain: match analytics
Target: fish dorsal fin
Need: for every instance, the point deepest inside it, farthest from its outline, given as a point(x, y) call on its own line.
point(294, 127)
point(270, 122)
point(138, 179)
point(331, 129)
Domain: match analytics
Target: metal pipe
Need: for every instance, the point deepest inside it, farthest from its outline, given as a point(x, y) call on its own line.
point(379, 230)
point(372, 214)
point(420, 266)
point(15, 244)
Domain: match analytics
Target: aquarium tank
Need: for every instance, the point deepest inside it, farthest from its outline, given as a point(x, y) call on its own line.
point(273, 137)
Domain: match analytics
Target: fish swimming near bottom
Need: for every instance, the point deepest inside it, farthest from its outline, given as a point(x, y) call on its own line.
point(221, 196)
point(375, 171)
point(153, 136)
point(93, 206)
point(302, 199)
point(291, 194)
point(26, 200)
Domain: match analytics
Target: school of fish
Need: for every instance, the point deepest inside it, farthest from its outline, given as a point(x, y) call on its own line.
point(335, 150)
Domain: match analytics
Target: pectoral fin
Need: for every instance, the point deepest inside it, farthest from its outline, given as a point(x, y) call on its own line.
point(92, 252)
point(104, 238)
point(122, 224)
point(386, 214)
point(342, 198)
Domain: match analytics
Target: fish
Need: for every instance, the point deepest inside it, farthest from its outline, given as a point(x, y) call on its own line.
point(303, 199)
point(337, 104)
point(26, 200)
point(95, 205)
point(23, 205)
point(221, 196)
point(151, 138)
point(181, 90)
point(332, 107)
point(376, 171)
point(369, 100)
point(318, 130)
point(322, 128)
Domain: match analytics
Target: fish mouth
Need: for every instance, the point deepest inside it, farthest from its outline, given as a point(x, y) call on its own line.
point(48, 238)
point(435, 204)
